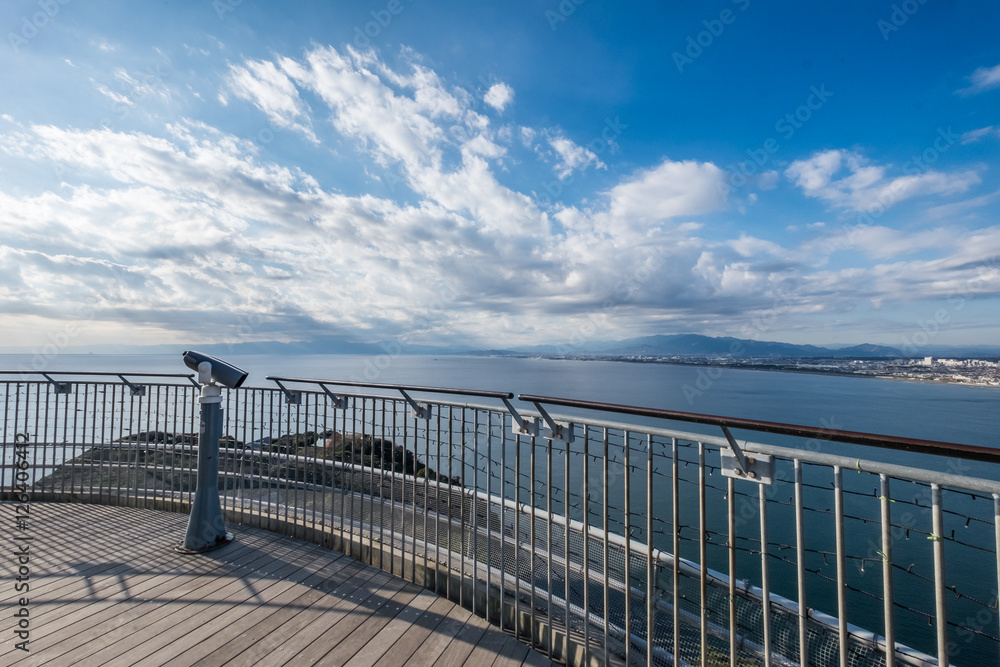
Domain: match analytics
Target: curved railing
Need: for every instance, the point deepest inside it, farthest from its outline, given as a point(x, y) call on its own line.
point(600, 541)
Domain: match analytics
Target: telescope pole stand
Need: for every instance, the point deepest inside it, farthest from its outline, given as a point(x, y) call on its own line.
point(206, 528)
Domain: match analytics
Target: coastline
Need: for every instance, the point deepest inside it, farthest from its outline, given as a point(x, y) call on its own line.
point(940, 378)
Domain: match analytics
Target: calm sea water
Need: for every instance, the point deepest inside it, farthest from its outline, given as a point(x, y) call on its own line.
point(952, 413)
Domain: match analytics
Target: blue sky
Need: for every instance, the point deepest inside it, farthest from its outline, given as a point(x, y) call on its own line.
point(499, 174)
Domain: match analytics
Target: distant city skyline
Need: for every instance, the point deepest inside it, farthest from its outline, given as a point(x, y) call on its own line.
point(227, 171)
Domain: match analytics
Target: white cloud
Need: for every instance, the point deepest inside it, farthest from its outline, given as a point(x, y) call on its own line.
point(499, 96)
point(973, 136)
point(572, 157)
point(670, 190)
point(271, 91)
point(984, 78)
point(165, 230)
point(847, 180)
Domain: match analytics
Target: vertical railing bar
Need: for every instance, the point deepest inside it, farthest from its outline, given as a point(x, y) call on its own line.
point(150, 494)
point(532, 473)
point(121, 423)
point(765, 579)
point(464, 510)
point(381, 491)
point(566, 551)
point(104, 496)
point(800, 565)
point(475, 510)
point(451, 474)
point(627, 445)
point(517, 533)
point(650, 573)
point(343, 477)
point(996, 546)
point(413, 506)
point(838, 497)
point(676, 573)
point(427, 462)
point(940, 607)
point(702, 555)
point(44, 432)
point(887, 590)
point(731, 548)
point(503, 523)
point(489, 509)
point(438, 509)
point(586, 549)
point(604, 545)
point(549, 497)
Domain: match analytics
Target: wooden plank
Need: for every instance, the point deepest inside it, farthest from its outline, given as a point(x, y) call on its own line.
point(345, 600)
point(264, 621)
point(374, 600)
point(432, 648)
point(487, 648)
point(228, 622)
point(101, 629)
point(414, 638)
point(140, 589)
point(377, 620)
point(267, 600)
point(465, 643)
point(383, 640)
point(318, 602)
point(512, 654)
point(148, 638)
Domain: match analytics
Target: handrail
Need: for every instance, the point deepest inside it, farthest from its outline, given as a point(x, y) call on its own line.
point(103, 373)
point(971, 452)
point(398, 387)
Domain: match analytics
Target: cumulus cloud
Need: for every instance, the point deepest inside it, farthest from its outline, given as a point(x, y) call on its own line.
point(572, 157)
point(499, 96)
point(848, 180)
point(670, 190)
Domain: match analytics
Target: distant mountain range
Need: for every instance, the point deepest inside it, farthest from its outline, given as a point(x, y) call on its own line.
point(680, 345)
point(694, 345)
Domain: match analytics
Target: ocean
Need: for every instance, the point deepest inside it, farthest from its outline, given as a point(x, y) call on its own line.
point(934, 411)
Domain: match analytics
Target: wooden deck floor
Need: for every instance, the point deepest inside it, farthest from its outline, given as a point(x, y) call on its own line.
point(106, 588)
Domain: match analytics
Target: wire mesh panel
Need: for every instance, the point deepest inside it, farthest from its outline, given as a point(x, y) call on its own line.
point(599, 542)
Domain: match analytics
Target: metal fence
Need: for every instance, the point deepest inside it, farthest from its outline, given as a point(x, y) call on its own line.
point(603, 537)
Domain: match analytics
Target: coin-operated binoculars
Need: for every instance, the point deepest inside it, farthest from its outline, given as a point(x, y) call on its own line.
point(206, 529)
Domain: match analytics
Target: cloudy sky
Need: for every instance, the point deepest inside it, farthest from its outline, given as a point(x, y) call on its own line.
point(498, 174)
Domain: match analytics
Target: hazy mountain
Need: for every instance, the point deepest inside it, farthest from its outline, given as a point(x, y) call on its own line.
point(697, 345)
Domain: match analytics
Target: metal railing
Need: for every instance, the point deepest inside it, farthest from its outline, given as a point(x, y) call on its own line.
point(600, 541)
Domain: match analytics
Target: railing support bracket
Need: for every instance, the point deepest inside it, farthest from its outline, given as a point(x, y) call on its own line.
point(754, 468)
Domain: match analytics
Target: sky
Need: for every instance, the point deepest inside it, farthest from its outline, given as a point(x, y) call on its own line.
point(498, 174)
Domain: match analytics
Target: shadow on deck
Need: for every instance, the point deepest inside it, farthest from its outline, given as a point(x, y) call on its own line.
point(106, 587)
